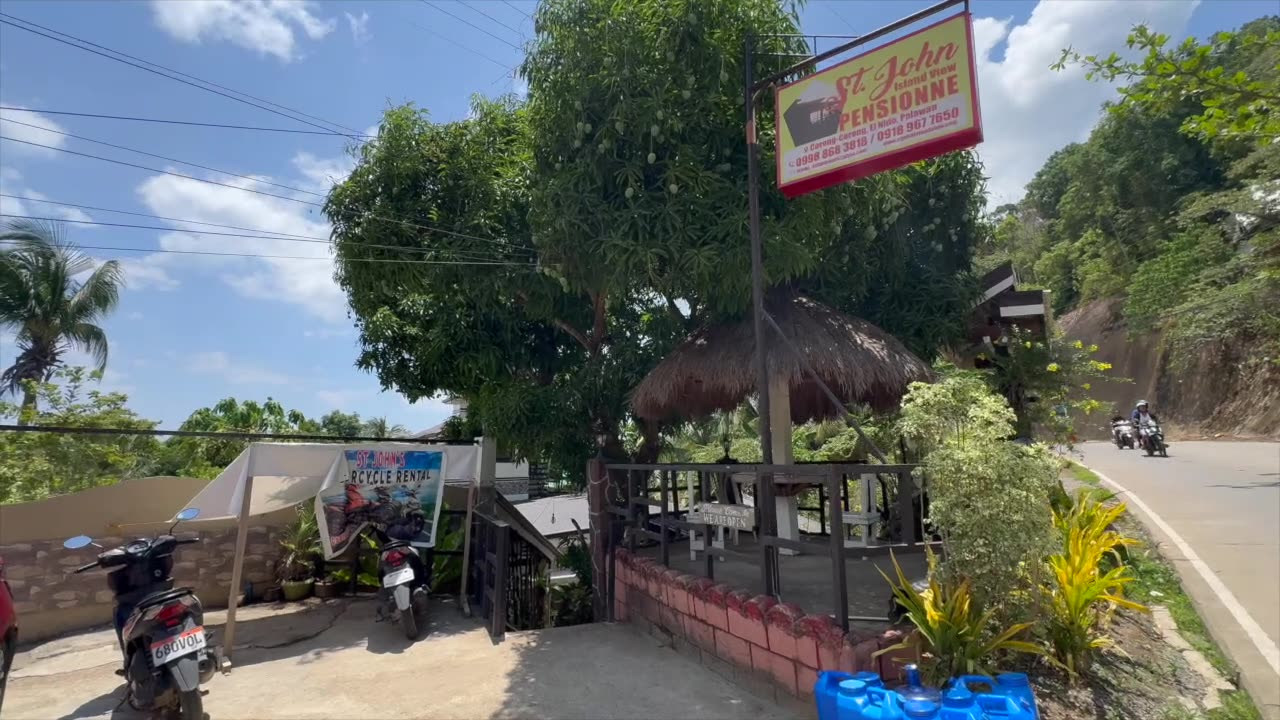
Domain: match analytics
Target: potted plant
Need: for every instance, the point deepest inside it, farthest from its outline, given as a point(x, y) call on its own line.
point(300, 543)
point(329, 586)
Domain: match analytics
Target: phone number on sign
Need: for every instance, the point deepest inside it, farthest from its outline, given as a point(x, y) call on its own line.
point(914, 126)
point(830, 151)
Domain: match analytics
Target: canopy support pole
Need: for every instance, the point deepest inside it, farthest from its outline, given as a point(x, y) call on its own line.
point(237, 567)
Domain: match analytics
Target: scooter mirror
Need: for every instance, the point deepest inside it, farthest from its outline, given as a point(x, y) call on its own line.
point(188, 514)
point(77, 542)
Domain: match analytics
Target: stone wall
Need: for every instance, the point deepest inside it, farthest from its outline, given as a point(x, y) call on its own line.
point(50, 599)
point(773, 649)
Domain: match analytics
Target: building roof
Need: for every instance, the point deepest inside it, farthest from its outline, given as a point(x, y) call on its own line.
point(553, 516)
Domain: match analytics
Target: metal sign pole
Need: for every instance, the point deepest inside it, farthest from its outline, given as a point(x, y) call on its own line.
point(764, 486)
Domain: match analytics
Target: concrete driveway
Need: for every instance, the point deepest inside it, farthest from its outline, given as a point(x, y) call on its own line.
point(1216, 508)
point(331, 660)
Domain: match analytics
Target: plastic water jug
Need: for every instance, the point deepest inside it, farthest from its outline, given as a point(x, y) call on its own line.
point(871, 679)
point(851, 698)
point(1003, 707)
point(1015, 686)
point(882, 704)
point(960, 704)
point(919, 701)
point(826, 691)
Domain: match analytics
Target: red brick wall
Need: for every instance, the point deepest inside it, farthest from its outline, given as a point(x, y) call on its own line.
point(771, 647)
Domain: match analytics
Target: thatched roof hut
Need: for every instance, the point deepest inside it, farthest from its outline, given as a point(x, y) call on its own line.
point(714, 369)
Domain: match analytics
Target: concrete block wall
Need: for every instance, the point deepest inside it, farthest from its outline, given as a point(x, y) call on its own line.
point(50, 599)
point(773, 649)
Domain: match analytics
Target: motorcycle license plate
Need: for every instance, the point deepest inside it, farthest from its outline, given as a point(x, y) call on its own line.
point(175, 646)
point(399, 577)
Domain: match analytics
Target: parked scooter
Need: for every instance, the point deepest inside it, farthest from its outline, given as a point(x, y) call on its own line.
point(1152, 438)
point(1122, 433)
point(406, 580)
point(160, 628)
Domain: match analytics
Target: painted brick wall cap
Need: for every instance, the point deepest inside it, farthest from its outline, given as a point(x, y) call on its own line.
point(718, 595)
point(784, 615)
point(758, 607)
point(700, 586)
point(735, 599)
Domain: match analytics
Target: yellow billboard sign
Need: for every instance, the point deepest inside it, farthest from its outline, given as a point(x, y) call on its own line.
point(908, 100)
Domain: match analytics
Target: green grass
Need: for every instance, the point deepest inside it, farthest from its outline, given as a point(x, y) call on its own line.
point(1157, 583)
point(1083, 474)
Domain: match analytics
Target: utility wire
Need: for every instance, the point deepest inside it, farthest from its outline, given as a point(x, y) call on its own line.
point(406, 223)
point(160, 157)
point(457, 44)
point(11, 108)
point(305, 257)
point(176, 75)
point(256, 231)
point(473, 8)
point(513, 7)
point(163, 172)
point(468, 22)
point(464, 255)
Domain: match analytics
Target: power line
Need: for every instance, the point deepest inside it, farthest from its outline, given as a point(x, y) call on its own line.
point(10, 108)
point(305, 257)
point(163, 172)
point(513, 7)
point(67, 430)
point(160, 157)
point(457, 44)
point(464, 255)
point(473, 8)
point(468, 22)
point(406, 223)
point(257, 231)
point(211, 85)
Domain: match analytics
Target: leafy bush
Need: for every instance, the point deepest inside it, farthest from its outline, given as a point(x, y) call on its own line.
point(571, 604)
point(1163, 282)
point(300, 544)
point(989, 498)
point(1086, 581)
point(953, 635)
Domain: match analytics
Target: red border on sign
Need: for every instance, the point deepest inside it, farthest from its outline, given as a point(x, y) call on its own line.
point(888, 161)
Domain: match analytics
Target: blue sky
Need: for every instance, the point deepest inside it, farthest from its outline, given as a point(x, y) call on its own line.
point(191, 330)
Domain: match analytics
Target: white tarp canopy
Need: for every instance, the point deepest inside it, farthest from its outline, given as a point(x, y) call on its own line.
point(285, 474)
point(281, 475)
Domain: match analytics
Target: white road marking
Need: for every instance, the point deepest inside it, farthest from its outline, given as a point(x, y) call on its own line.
point(1261, 641)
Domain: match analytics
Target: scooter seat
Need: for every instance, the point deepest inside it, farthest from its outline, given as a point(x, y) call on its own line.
point(161, 597)
point(393, 544)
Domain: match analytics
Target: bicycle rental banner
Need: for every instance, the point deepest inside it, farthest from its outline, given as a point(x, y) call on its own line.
point(380, 486)
point(908, 100)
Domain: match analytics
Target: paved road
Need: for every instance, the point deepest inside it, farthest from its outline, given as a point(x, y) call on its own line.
point(1223, 499)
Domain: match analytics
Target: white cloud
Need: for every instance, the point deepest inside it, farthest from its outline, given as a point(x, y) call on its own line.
point(359, 27)
point(338, 399)
point(220, 364)
point(307, 283)
point(1028, 110)
point(264, 26)
point(135, 315)
point(149, 272)
point(32, 134)
point(327, 333)
point(11, 183)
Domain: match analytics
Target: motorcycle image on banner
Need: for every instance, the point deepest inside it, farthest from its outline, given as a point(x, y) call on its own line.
point(398, 493)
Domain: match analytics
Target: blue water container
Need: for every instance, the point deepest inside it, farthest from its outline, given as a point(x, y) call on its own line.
point(871, 679)
point(851, 698)
point(882, 704)
point(1014, 686)
point(919, 700)
point(960, 704)
point(826, 691)
point(1003, 707)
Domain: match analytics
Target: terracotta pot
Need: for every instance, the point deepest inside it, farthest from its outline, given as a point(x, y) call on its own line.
point(328, 589)
point(272, 594)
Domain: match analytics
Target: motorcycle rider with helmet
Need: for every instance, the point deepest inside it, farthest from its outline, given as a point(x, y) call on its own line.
point(1142, 413)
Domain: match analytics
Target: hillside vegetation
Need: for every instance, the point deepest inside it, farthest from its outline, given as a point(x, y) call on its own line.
point(1168, 214)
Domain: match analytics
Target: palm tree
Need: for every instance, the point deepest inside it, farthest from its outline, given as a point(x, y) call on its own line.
point(380, 427)
point(47, 302)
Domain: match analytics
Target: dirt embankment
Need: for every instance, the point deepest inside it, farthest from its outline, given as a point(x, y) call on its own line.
point(1217, 394)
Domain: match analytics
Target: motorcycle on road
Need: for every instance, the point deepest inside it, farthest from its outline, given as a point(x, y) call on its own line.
point(164, 647)
point(1151, 437)
point(1122, 433)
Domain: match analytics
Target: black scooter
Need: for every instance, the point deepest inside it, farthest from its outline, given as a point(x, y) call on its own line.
point(406, 579)
point(160, 628)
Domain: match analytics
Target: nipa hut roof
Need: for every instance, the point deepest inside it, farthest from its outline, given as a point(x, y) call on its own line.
point(714, 369)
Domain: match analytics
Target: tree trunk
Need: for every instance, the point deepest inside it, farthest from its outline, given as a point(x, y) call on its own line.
point(27, 413)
